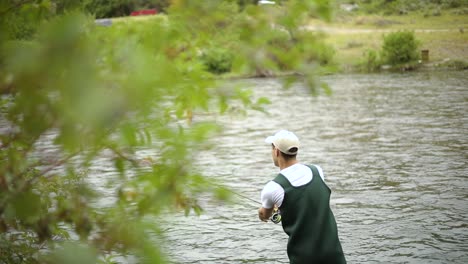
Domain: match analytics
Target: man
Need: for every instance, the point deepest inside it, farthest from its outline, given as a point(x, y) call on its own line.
point(303, 199)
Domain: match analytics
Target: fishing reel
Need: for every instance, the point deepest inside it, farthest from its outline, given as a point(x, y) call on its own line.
point(276, 216)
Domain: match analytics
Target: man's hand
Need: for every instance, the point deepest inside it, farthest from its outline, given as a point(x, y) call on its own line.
point(264, 214)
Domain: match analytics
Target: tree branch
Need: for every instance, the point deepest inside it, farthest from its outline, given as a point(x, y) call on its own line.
point(29, 182)
point(15, 6)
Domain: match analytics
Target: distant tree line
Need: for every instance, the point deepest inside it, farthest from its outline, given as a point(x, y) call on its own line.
point(20, 17)
point(116, 8)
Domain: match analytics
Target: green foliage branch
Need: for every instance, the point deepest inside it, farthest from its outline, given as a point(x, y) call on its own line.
point(77, 98)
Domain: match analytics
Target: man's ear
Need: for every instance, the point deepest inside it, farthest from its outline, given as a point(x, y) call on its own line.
point(277, 152)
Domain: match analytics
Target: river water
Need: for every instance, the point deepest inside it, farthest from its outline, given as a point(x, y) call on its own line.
point(394, 150)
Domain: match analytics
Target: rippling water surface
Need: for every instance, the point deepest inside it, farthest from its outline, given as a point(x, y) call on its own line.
point(394, 151)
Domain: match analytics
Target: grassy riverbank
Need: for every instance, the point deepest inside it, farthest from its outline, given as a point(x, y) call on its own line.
point(445, 36)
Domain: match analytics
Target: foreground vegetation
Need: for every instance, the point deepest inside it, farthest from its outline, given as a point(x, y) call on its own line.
point(83, 105)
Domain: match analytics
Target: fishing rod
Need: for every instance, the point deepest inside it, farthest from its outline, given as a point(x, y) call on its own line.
point(243, 196)
point(275, 217)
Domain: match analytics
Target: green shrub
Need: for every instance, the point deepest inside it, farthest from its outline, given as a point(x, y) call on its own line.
point(400, 47)
point(218, 60)
point(20, 22)
point(325, 54)
point(453, 3)
point(460, 11)
point(313, 49)
point(20, 28)
point(110, 8)
point(457, 64)
point(371, 62)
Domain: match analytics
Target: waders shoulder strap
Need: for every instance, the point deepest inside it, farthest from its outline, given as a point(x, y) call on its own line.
point(281, 180)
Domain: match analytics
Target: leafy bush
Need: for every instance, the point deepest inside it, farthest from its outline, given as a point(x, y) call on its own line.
point(19, 19)
point(453, 3)
point(218, 60)
point(456, 64)
point(325, 54)
point(19, 28)
point(290, 52)
point(20, 22)
point(460, 11)
point(110, 8)
point(400, 47)
point(371, 62)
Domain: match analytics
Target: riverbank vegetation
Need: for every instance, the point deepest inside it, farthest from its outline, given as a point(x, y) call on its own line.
point(358, 30)
point(353, 40)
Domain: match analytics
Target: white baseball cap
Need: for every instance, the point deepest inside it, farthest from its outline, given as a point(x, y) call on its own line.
point(285, 141)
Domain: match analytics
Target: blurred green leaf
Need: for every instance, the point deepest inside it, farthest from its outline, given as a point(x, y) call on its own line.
point(326, 88)
point(25, 207)
point(222, 194)
point(119, 165)
point(74, 253)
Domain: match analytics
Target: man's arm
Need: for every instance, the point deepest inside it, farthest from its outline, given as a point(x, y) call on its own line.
point(264, 214)
point(271, 196)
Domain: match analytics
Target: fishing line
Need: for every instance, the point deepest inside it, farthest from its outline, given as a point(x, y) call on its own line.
point(243, 196)
point(275, 217)
point(236, 193)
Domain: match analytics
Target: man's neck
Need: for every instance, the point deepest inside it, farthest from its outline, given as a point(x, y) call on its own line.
point(285, 164)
